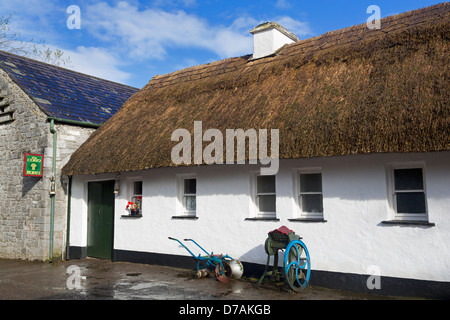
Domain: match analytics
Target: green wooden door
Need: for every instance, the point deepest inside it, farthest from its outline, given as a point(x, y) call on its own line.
point(100, 219)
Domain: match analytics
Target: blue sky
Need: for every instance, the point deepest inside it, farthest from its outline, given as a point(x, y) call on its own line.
point(131, 41)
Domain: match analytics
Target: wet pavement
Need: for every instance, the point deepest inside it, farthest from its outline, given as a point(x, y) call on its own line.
point(92, 279)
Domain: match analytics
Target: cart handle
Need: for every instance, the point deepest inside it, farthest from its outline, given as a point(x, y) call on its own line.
point(198, 246)
point(183, 246)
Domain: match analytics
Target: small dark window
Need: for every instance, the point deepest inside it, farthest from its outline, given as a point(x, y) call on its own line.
point(190, 186)
point(266, 194)
point(409, 191)
point(408, 179)
point(189, 196)
point(311, 198)
point(138, 187)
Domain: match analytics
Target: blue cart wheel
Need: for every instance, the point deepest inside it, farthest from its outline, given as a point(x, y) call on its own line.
point(297, 265)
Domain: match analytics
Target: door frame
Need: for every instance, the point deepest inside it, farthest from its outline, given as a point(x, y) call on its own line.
point(110, 245)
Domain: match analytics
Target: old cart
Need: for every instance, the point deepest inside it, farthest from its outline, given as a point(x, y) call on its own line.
point(296, 262)
point(223, 266)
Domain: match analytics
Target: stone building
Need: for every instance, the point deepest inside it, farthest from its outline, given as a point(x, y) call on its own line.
point(50, 111)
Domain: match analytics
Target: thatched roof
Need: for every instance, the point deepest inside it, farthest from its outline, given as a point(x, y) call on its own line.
point(350, 91)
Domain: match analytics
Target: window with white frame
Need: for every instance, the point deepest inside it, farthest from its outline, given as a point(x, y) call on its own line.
point(137, 192)
point(135, 205)
point(266, 196)
point(189, 195)
point(408, 193)
point(310, 196)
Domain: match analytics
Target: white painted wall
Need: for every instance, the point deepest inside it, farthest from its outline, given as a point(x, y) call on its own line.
point(351, 240)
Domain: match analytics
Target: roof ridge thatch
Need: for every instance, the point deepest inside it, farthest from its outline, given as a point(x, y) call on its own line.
point(350, 91)
point(233, 64)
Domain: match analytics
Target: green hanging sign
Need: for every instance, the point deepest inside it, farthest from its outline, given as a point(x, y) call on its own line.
point(33, 165)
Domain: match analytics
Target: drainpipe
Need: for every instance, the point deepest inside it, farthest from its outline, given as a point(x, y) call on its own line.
point(52, 196)
point(69, 201)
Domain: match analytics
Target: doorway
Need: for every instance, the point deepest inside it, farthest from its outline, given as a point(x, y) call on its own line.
point(100, 219)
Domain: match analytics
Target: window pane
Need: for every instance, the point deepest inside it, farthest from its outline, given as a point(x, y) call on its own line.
point(411, 202)
point(190, 186)
point(408, 179)
point(265, 184)
point(311, 182)
point(191, 204)
point(267, 203)
point(138, 187)
point(312, 203)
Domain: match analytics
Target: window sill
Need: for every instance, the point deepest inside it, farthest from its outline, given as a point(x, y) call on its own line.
point(131, 216)
point(261, 219)
point(408, 222)
point(185, 217)
point(307, 220)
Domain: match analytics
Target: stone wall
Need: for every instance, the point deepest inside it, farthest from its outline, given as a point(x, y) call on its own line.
point(69, 138)
point(25, 202)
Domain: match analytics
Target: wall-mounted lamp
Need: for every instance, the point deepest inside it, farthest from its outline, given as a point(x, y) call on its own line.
point(117, 184)
point(52, 185)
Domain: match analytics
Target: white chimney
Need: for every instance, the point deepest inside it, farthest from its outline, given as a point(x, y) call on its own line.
point(269, 37)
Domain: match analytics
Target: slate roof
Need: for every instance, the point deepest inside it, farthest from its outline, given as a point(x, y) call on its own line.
point(66, 94)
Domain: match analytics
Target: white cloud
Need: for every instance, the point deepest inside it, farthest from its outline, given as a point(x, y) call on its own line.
point(299, 28)
point(165, 3)
point(98, 62)
point(283, 4)
point(32, 18)
point(149, 33)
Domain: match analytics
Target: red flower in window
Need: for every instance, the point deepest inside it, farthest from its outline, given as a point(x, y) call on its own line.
point(131, 206)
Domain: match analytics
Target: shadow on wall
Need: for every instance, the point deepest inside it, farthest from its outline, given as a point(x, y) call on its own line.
point(254, 264)
point(28, 183)
point(253, 255)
